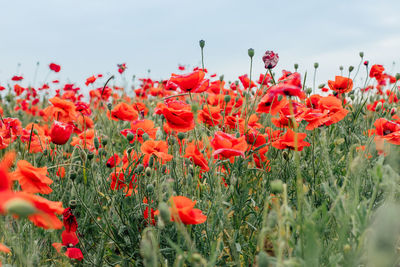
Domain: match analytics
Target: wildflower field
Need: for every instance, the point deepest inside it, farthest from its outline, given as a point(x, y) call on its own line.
point(269, 170)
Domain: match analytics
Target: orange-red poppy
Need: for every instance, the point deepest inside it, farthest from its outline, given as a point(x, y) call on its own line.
point(32, 179)
point(341, 84)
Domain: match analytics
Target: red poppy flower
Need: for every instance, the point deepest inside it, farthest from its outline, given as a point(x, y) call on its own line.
point(178, 116)
point(341, 84)
point(156, 148)
point(69, 240)
point(124, 112)
point(288, 140)
point(113, 161)
point(244, 79)
point(193, 153)
point(376, 72)
point(69, 220)
point(17, 78)
point(192, 82)
point(54, 67)
point(32, 179)
point(61, 132)
point(182, 208)
point(121, 68)
point(227, 145)
point(291, 86)
point(90, 80)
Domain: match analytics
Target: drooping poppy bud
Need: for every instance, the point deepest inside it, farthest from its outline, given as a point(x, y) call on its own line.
point(61, 132)
point(270, 59)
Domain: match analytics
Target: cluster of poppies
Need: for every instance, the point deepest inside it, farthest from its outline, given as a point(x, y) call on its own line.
point(160, 114)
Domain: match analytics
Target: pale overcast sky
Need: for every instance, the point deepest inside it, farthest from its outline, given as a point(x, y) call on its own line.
point(91, 36)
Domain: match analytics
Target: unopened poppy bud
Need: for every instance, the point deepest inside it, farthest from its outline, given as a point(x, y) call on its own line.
point(45, 152)
point(52, 146)
point(148, 171)
point(109, 106)
point(276, 186)
point(366, 62)
point(296, 66)
point(149, 187)
point(145, 136)
point(308, 91)
point(195, 107)
point(104, 141)
point(322, 85)
point(72, 176)
point(20, 207)
point(316, 65)
point(139, 168)
point(352, 97)
point(73, 203)
point(151, 161)
point(96, 143)
point(397, 76)
point(341, 68)
point(181, 136)
point(202, 43)
point(227, 98)
point(35, 131)
point(361, 54)
point(262, 259)
point(90, 155)
point(378, 106)
point(237, 135)
point(351, 68)
point(221, 78)
point(250, 52)
point(285, 155)
point(129, 136)
point(393, 111)
point(164, 212)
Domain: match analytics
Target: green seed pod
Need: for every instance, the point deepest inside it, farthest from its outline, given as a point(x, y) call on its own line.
point(352, 97)
point(20, 207)
point(96, 143)
point(262, 259)
point(72, 176)
point(195, 107)
point(45, 152)
point(181, 136)
point(351, 68)
point(90, 155)
point(151, 161)
point(35, 131)
point(149, 187)
point(130, 136)
point(227, 98)
point(73, 203)
point(361, 54)
point(276, 186)
point(316, 65)
point(341, 68)
point(221, 78)
point(250, 52)
point(308, 91)
point(322, 85)
point(146, 136)
point(237, 135)
point(164, 212)
point(109, 106)
point(202, 43)
point(148, 171)
point(52, 146)
point(296, 66)
point(104, 141)
point(397, 76)
point(139, 168)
